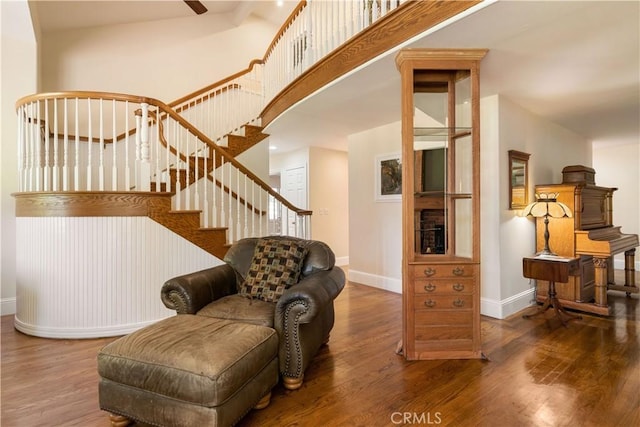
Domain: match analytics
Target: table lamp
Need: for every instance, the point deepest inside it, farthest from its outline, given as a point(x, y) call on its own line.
point(545, 206)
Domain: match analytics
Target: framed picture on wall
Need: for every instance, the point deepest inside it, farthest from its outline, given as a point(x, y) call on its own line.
point(388, 176)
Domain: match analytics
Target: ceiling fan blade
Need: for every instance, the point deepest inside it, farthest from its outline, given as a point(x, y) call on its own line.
point(196, 6)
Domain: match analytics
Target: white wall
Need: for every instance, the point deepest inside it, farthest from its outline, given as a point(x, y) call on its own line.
point(619, 166)
point(19, 77)
point(505, 236)
point(162, 59)
point(375, 228)
point(327, 173)
point(329, 199)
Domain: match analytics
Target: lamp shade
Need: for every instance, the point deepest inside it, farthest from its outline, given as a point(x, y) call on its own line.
point(547, 205)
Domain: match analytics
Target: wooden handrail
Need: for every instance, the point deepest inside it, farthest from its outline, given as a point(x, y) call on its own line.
point(83, 94)
point(224, 153)
point(192, 163)
point(214, 85)
point(168, 111)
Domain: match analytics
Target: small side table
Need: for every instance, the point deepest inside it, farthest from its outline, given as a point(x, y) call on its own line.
point(553, 269)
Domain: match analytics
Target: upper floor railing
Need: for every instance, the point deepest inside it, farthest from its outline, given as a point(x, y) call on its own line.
point(313, 30)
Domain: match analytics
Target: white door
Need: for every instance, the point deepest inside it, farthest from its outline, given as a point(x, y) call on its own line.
point(294, 189)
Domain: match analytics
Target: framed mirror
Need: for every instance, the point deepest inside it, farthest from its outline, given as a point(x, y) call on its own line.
point(518, 179)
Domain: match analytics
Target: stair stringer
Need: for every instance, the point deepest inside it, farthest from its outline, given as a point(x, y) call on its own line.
point(187, 224)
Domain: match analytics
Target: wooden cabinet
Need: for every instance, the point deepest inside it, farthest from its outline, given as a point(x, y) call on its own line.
point(440, 203)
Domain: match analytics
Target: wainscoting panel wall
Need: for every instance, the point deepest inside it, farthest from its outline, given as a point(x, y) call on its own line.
point(85, 277)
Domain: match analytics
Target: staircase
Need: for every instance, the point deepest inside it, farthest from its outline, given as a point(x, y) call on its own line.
point(187, 223)
point(92, 142)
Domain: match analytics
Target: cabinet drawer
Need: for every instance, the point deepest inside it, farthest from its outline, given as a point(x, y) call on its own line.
point(435, 302)
point(431, 271)
point(447, 286)
point(444, 318)
point(442, 333)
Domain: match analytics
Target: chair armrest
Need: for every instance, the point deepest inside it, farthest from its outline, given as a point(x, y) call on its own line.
point(304, 318)
point(187, 294)
point(313, 292)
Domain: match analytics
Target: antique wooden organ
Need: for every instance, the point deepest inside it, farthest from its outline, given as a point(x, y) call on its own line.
point(589, 235)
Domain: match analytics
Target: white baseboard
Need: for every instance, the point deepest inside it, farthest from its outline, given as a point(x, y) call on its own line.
point(342, 261)
point(508, 306)
point(7, 306)
point(373, 280)
point(78, 333)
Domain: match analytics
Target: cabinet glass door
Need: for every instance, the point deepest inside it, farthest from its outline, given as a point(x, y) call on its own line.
point(443, 163)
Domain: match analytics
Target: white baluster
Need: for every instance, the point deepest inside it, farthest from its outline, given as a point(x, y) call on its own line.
point(65, 149)
point(253, 211)
point(205, 186)
point(324, 29)
point(179, 131)
point(89, 144)
point(145, 152)
point(37, 146)
point(76, 166)
point(223, 221)
point(101, 154)
point(35, 150)
point(47, 170)
point(196, 174)
point(230, 204)
point(214, 210)
point(26, 143)
point(114, 148)
point(167, 155)
point(247, 208)
point(137, 150)
point(260, 222)
point(159, 149)
point(56, 170)
point(127, 171)
point(187, 175)
point(28, 147)
point(334, 24)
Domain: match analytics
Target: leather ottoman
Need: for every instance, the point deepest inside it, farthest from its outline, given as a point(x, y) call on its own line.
point(188, 370)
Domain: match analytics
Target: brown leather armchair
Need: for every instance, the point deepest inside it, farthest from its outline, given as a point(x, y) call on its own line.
point(303, 316)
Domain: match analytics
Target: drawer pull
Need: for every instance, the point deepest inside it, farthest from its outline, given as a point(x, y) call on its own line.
point(430, 287)
point(430, 303)
point(458, 271)
point(458, 303)
point(458, 287)
point(429, 272)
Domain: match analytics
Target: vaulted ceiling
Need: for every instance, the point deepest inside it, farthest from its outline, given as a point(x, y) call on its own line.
point(55, 15)
point(576, 63)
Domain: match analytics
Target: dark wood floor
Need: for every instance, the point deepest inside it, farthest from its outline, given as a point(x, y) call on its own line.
point(538, 373)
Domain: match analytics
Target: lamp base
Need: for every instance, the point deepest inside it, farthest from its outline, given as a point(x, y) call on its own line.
point(546, 252)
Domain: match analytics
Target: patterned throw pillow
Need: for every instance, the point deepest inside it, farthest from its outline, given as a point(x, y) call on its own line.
point(275, 266)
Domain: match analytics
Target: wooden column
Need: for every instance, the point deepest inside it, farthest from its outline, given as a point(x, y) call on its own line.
point(600, 265)
point(629, 271)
